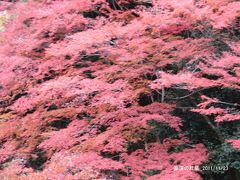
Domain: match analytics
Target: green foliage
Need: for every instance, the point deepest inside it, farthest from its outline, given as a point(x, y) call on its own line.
point(131, 146)
point(160, 131)
point(152, 172)
point(230, 130)
point(176, 149)
point(223, 161)
point(226, 155)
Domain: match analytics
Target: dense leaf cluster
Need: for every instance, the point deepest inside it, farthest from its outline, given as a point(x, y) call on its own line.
point(119, 89)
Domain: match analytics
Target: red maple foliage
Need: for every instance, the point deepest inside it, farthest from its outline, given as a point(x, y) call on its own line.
point(111, 89)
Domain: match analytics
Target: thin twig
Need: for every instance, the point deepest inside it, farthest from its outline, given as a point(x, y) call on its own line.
point(163, 94)
point(192, 93)
point(230, 104)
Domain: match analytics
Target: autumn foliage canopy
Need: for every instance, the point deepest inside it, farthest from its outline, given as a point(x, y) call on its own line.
point(119, 89)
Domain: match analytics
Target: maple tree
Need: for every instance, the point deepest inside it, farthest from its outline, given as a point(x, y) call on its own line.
point(119, 89)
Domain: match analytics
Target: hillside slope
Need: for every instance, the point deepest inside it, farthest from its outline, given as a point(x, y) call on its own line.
point(119, 89)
